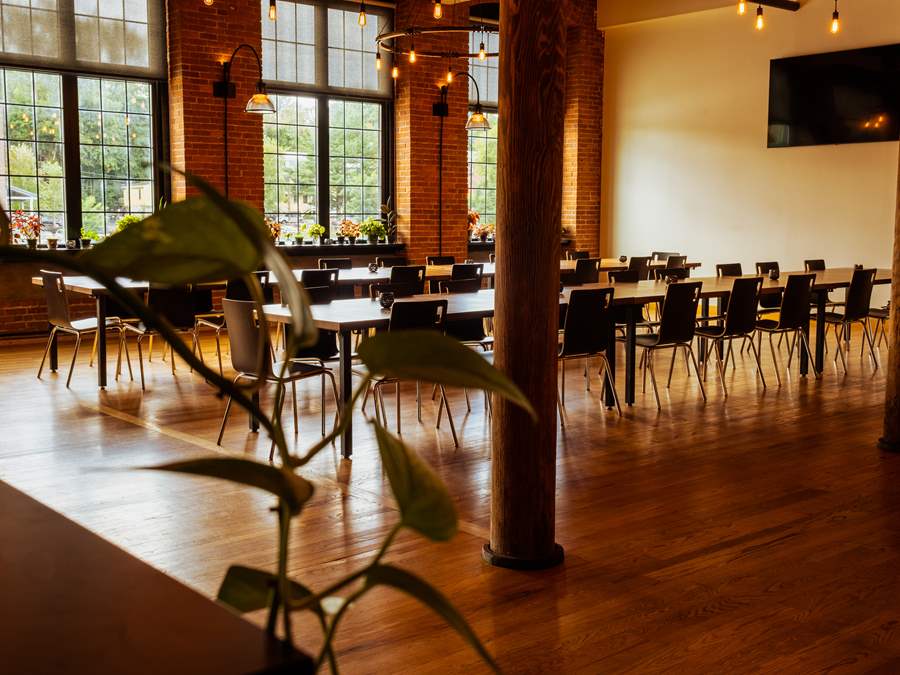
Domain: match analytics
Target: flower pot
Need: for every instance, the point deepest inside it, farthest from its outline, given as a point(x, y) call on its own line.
point(373, 238)
point(340, 239)
point(32, 243)
point(484, 237)
point(352, 240)
point(85, 243)
point(52, 243)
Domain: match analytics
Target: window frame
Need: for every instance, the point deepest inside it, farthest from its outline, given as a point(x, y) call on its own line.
point(487, 110)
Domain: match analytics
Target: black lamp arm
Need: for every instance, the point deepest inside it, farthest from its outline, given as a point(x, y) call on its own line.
point(227, 64)
point(475, 82)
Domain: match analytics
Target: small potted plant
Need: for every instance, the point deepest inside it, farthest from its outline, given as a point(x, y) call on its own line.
point(274, 228)
point(28, 227)
point(373, 228)
point(389, 218)
point(126, 221)
point(350, 230)
point(88, 236)
point(473, 218)
point(317, 232)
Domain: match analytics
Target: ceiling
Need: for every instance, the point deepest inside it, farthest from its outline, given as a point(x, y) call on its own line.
point(612, 13)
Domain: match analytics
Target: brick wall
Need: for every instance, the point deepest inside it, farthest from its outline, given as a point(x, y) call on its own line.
point(583, 127)
point(199, 40)
point(416, 134)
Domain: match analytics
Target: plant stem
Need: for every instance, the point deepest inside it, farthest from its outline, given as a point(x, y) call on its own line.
point(332, 628)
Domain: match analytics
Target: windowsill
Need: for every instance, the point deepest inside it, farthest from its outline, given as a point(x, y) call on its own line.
point(345, 249)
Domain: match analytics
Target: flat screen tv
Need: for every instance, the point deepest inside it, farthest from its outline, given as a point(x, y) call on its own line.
point(840, 97)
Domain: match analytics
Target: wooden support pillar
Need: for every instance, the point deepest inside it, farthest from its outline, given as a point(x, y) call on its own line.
point(529, 191)
point(890, 440)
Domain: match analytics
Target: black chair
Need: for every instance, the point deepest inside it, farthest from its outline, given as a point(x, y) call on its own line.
point(335, 263)
point(880, 315)
point(467, 271)
point(440, 260)
point(467, 331)
point(623, 276)
point(587, 271)
point(740, 322)
point(677, 326)
point(660, 273)
point(768, 301)
point(247, 343)
point(61, 322)
point(676, 261)
point(640, 264)
point(793, 316)
point(578, 255)
point(318, 278)
point(856, 310)
point(818, 265)
point(409, 274)
point(391, 260)
point(492, 257)
point(729, 270)
point(586, 335)
point(399, 290)
point(662, 256)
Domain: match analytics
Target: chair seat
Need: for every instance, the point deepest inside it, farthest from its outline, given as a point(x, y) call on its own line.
point(647, 340)
point(488, 356)
point(766, 324)
point(879, 313)
point(834, 317)
point(710, 331)
point(298, 369)
point(83, 325)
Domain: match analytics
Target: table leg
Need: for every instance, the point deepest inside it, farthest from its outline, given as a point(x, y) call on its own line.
point(821, 298)
point(704, 314)
point(54, 351)
point(611, 359)
point(630, 350)
point(101, 341)
point(252, 422)
point(346, 386)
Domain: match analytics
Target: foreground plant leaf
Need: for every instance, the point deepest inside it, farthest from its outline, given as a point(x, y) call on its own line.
point(429, 356)
point(388, 575)
point(186, 242)
point(282, 482)
point(249, 590)
point(424, 501)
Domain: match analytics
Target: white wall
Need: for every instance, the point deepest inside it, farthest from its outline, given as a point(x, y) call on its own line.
point(685, 163)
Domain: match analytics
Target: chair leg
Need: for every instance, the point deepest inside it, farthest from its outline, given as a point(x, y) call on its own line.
point(809, 354)
point(840, 350)
point(53, 332)
point(379, 397)
point(868, 339)
point(720, 367)
point(606, 376)
point(337, 399)
point(560, 409)
point(224, 418)
point(758, 362)
point(398, 406)
point(141, 361)
point(127, 354)
point(468, 405)
point(219, 351)
point(774, 358)
point(322, 402)
point(94, 348)
point(74, 356)
point(294, 402)
point(563, 364)
point(449, 416)
point(119, 358)
point(671, 368)
point(791, 349)
point(690, 351)
point(587, 375)
point(653, 378)
point(280, 395)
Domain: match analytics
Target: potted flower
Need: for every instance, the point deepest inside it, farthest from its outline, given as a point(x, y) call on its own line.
point(27, 226)
point(473, 218)
point(373, 228)
point(316, 231)
point(88, 236)
point(349, 229)
point(274, 227)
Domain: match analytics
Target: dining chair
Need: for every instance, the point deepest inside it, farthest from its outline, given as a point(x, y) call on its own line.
point(585, 335)
point(739, 322)
point(729, 270)
point(440, 260)
point(677, 326)
point(321, 277)
point(391, 260)
point(640, 264)
point(470, 332)
point(880, 315)
point(856, 310)
point(61, 322)
point(399, 290)
point(461, 271)
point(661, 273)
point(793, 316)
point(768, 301)
point(335, 263)
point(249, 347)
point(676, 261)
point(409, 274)
point(492, 257)
point(818, 265)
point(587, 271)
point(577, 255)
point(662, 256)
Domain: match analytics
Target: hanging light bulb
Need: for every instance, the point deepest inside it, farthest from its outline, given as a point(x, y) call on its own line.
point(760, 21)
point(482, 53)
point(208, 3)
point(835, 20)
point(361, 19)
point(438, 9)
point(272, 10)
point(742, 8)
point(377, 60)
point(412, 52)
point(449, 75)
point(395, 72)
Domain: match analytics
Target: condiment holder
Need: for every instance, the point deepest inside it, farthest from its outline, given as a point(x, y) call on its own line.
point(386, 299)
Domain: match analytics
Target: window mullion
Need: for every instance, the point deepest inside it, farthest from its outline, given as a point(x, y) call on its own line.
point(72, 156)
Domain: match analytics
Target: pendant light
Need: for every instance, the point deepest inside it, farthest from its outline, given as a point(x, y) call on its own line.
point(760, 21)
point(742, 8)
point(835, 20)
point(361, 19)
point(438, 9)
point(482, 53)
point(208, 3)
point(412, 52)
point(395, 72)
point(449, 74)
point(378, 60)
point(272, 10)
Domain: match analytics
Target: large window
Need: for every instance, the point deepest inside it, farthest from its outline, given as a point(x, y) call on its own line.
point(483, 171)
point(485, 72)
point(324, 153)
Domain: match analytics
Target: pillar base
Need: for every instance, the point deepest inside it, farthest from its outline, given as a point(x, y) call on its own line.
point(888, 446)
point(513, 563)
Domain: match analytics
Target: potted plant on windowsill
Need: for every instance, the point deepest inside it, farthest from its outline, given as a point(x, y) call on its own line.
point(88, 236)
point(373, 229)
point(317, 232)
point(28, 227)
point(389, 219)
point(350, 230)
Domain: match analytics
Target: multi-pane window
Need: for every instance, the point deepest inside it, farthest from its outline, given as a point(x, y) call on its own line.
point(116, 136)
point(290, 166)
point(289, 52)
point(112, 31)
point(351, 51)
point(483, 170)
point(32, 167)
point(354, 160)
point(29, 27)
point(485, 72)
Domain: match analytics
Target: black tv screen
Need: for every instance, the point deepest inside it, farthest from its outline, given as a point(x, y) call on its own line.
point(840, 97)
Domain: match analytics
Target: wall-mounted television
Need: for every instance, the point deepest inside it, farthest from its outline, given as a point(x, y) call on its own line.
point(840, 97)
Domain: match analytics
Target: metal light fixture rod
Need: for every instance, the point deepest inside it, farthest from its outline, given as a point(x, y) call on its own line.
point(789, 5)
point(385, 40)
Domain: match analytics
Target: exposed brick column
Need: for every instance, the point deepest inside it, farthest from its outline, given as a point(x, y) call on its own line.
point(583, 127)
point(416, 134)
point(200, 39)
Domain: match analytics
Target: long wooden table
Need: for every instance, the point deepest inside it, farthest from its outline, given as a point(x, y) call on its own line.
point(345, 316)
point(74, 603)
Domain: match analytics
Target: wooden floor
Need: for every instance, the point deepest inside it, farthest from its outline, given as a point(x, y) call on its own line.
point(761, 534)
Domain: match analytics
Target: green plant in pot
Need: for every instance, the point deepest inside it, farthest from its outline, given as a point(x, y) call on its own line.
point(88, 236)
point(209, 238)
point(389, 219)
point(127, 221)
point(316, 231)
point(372, 228)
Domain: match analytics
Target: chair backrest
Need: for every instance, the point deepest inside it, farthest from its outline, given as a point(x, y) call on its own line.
point(676, 261)
point(587, 270)
point(795, 301)
point(859, 295)
point(768, 300)
point(763, 268)
point(492, 257)
point(400, 290)
point(729, 270)
point(57, 302)
point(335, 263)
point(440, 260)
point(418, 315)
point(236, 289)
point(679, 312)
point(816, 265)
point(660, 273)
point(577, 255)
point(408, 274)
point(320, 295)
point(740, 317)
point(640, 264)
point(586, 328)
point(460, 286)
point(245, 337)
point(391, 260)
point(175, 303)
point(623, 277)
point(467, 271)
point(203, 300)
point(662, 256)
point(326, 277)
